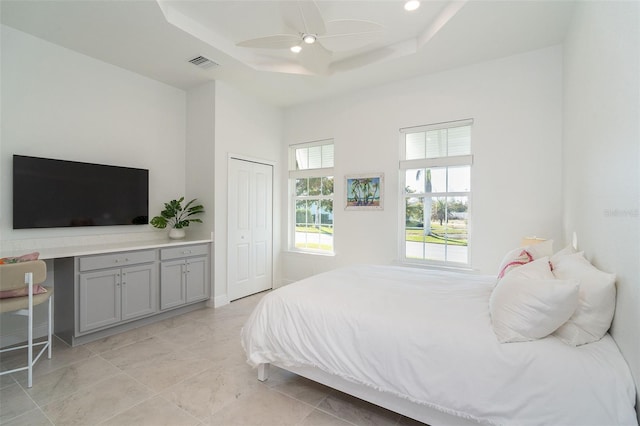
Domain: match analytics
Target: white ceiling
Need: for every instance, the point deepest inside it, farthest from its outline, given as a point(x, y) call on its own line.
point(158, 38)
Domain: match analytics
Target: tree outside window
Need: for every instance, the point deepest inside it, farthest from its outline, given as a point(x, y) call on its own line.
point(437, 170)
point(311, 176)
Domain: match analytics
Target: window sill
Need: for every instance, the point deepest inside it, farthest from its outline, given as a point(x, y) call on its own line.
point(312, 253)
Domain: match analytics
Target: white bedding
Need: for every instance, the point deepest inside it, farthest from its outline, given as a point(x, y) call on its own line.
point(426, 336)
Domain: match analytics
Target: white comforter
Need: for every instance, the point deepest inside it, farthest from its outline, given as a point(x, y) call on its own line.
point(426, 336)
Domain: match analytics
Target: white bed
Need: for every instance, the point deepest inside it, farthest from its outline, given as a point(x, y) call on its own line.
point(421, 343)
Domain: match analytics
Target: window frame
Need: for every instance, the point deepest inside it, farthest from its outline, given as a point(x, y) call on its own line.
point(425, 163)
point(295, 174)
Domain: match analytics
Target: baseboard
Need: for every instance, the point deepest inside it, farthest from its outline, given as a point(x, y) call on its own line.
point(110, 331)
point(219, 301)
point(282, 283)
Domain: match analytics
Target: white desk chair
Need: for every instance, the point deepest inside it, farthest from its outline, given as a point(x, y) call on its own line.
point(21, 278)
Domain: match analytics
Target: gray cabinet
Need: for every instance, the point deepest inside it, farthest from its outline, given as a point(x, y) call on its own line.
point(98, 295)
point(172, 284)
point(196, 282)
point(139, 291)
point(183, 275)
point(99, 303)
point(109, 295)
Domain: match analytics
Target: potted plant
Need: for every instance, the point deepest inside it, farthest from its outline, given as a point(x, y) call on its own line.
point(177, 217)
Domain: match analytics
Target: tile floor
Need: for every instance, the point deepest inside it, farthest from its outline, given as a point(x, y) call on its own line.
point(187, 370)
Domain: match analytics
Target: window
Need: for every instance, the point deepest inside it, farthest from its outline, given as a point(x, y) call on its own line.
point(436, 165)
point(311, 186)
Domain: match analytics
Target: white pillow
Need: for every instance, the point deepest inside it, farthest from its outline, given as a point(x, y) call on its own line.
point(538, 269)
point(524, 309)
point(567, 251)
point(596, 302)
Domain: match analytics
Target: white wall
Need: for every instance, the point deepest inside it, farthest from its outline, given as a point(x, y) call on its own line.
point(200, 155)
point(602, 153)
point(60, 104)
point(250, 128)
point(57, 103)
point(516, 104)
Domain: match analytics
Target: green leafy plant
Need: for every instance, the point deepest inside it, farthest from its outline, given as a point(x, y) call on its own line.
point(177, 216)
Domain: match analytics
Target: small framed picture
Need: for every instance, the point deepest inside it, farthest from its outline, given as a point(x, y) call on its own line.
point(364, 192)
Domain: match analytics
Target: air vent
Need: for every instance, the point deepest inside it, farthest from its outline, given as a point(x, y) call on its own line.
point(202, 62)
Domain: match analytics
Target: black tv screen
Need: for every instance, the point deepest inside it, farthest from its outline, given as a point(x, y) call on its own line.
point(50, 193)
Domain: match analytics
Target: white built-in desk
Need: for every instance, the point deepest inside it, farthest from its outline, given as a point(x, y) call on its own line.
point(90, 249)
point(102, 290)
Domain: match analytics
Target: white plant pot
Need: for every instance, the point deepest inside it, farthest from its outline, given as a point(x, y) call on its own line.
point(176, 234)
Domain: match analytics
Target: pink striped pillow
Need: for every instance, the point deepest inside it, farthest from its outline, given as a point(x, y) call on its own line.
point(510, 262)
point(24, 258)
point(21, 292)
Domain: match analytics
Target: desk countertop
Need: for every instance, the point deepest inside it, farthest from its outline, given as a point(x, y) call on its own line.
point(89, 249)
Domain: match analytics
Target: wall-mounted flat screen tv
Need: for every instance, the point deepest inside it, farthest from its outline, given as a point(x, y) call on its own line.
point(49, 193)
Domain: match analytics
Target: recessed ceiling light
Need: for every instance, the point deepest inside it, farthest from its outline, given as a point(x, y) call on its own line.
point(309, 38)
point(411, 5)
point(296, 49)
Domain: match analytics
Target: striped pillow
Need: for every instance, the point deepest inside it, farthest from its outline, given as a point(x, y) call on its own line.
point(511, 262)
point(22, 292)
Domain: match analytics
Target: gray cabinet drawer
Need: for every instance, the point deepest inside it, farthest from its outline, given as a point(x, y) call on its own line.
point(88, 263)
point(184, 251)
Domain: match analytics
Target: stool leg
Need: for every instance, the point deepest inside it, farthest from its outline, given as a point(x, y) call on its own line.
point(29, 279)
point(50, 326)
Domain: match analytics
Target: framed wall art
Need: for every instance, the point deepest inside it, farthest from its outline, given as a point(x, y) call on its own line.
point(364, 192)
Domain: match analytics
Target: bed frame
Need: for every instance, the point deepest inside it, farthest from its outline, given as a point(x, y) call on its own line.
point(386, 400)
point(625, 308)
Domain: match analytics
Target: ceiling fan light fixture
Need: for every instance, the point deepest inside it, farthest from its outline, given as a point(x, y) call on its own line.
point(309, 38)
point(296, 49)
point(411, 5)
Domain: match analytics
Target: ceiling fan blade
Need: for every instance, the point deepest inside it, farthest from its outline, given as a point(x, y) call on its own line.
point(349, 34)
point(277, 41)
point(312, 19)
point(303, 15)
point(315, 58)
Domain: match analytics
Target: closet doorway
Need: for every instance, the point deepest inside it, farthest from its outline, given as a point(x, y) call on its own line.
point(250, 218)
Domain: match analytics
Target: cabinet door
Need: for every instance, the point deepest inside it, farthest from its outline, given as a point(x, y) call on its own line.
point(172, 288)
point(139, 294)
point(99, 299)
point(196, 279)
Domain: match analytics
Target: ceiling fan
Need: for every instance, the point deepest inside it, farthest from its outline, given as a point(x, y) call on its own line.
point(314, 40)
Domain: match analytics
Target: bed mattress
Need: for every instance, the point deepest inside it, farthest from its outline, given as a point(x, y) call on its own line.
point(426, 336)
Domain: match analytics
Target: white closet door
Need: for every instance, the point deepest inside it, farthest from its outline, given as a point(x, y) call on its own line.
point(250, 248)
